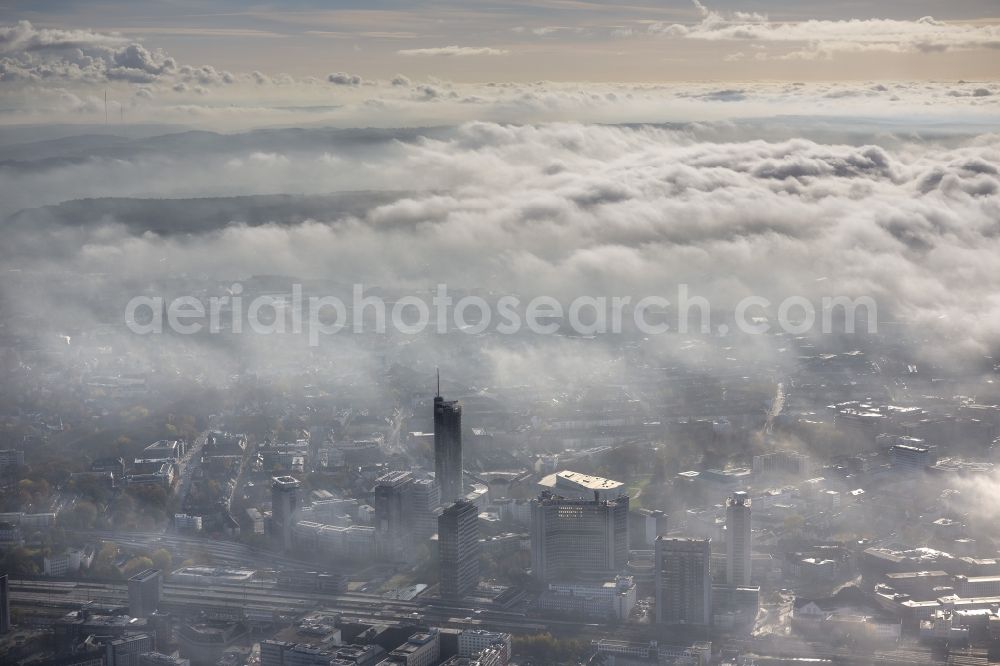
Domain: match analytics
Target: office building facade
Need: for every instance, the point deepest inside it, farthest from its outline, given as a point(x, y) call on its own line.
point(907, 458)
point(738, 539)
point(284, 503)
point(127, 650)
point(390, 501)
point(578, 539)
point(282, 653)
point(781, 463)
point(683, 581)
point(448, 448)
point(392, 527)
point(605, 599)
point(458, 544)
point(420, 649)
point(4, 604)
point(425, 498)
point(473, 641)
point(144, 591)
point(10, 459)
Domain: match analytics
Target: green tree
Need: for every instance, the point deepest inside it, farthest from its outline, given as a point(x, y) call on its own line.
point(162, 559)
point(20, 561)
point(136, 565)
point(547, 649)
point(81, 516)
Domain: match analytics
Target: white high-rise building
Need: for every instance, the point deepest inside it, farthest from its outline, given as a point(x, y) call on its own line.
point(738, 540)
point(284, 503)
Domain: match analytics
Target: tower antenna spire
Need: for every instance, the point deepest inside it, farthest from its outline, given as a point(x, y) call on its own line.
point(438, 381)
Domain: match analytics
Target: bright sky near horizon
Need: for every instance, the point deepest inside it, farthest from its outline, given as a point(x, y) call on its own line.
point(56, 56)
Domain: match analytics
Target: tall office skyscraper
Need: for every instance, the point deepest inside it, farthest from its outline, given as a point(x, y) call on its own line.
point(4, 604)
point(578, 539)
point(458, 544)
point(738, 540)
point(392, 528)
point(390, 501)
point(406, 514)
point(425, 498)
point(683, 582)
point(448, 447)
point(144, 590)
point(284, 503)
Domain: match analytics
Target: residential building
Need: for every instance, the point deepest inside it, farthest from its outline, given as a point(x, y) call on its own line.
point(473, 641)
point(63, 563)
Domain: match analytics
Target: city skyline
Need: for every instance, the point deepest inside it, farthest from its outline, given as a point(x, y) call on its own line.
point(499, 333)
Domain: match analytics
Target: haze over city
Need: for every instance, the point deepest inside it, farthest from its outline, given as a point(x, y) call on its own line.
point(493, 333)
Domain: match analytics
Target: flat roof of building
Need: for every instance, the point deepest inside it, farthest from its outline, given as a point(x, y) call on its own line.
point(394, 477)
point(146, 575)
point(908, 447)
point(683, 540)
point(216, 573)
point(579, 481)
point(980, 579)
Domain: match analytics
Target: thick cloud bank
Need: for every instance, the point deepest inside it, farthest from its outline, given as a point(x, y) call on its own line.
point(559, 209)
point(32, 54)
point(824, 37)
